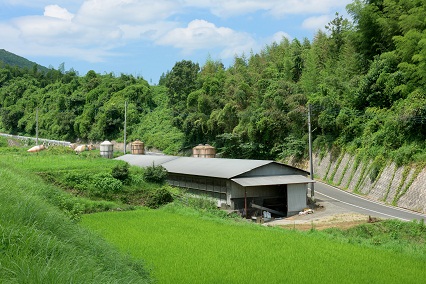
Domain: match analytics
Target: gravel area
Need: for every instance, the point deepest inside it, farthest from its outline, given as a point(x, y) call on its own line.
point(325, 215)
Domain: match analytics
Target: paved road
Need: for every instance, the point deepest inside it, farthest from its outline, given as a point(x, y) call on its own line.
point(355, 203)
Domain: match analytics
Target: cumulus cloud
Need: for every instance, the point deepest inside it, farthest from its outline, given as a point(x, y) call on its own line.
point(316, 23)
point(278, 8)
point(113, 12)
point(278, 37)
point(285, 7)
point(13, 40)
point(200, 34)
point(91, 29)
point(95, 25)
point(55, 11)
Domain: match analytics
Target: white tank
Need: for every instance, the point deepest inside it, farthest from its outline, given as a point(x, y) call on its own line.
point(107, 149)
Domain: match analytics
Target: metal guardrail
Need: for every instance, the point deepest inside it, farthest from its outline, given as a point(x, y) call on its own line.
point(47, 142)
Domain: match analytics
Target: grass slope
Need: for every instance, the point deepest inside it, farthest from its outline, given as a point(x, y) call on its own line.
point(39, 244)
point(190, 249)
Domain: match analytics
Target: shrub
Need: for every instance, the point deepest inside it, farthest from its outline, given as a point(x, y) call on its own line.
point(157, 174)
point(3, 142)
point(77, 181)
point(199, 202)
point(158, 198)
point(58, 150)
point(104, 184)
point(121, 172)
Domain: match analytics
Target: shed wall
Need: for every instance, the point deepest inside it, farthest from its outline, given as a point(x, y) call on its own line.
point(212, 187)
point(272, 170)
point(238, 191)
point(296, 194)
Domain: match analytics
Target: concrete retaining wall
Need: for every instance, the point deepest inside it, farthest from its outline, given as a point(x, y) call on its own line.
point(400, 186)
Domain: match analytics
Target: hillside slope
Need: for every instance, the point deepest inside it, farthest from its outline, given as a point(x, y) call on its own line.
point(39, 244)
point(12, 59)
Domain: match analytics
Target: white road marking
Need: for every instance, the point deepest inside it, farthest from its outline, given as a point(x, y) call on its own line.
point(362, 207)
point(371, 201)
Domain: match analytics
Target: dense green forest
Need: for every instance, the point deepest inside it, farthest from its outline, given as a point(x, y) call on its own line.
point(364, 77)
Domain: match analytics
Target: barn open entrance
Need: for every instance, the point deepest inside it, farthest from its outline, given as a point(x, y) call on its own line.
point(273, 206)
point(277, 203)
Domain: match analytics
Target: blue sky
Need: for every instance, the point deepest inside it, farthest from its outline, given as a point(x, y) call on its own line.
point(147, 37)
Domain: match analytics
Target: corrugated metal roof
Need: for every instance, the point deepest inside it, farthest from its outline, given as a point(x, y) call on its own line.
point(210, 167)
point(213, 167)
point(146, 160)
point(271, 180)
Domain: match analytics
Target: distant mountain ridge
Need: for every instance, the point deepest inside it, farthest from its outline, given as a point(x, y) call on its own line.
point(12, 59)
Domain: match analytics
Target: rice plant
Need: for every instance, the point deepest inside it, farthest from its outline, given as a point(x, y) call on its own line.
point(189, 249)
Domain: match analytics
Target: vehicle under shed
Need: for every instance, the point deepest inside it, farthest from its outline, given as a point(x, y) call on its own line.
point(244, 185)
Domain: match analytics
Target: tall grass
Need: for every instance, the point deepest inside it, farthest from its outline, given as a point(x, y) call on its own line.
point(40, 244)
point(184, 248)
point(392, 235)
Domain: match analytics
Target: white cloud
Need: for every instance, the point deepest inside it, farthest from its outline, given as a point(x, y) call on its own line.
point(278, 8)
point(149, 31)
point(200, 34)
point(96, 25)
point(304, 7)
point(278, 37)
point(13, 40)
point(70, 5)
point(55, 11)
point(316, 23)
point(113, 12)
point(91, 29)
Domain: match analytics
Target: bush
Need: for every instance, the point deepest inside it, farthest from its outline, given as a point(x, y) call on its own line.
point(121, 172)
point(3, 142)
point(156, 174)
point(103, 185)
point(158, 198)
point(77, 181)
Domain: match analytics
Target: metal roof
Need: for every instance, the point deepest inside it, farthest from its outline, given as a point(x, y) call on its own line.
point(272, 180)
point(146, 160)
point(210, 167)
point(213, 167)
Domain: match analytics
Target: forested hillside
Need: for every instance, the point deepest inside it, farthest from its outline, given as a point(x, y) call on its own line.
point(365, 78)
point(8, 58)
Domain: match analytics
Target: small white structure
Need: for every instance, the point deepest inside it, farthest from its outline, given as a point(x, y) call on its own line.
point(107, 149)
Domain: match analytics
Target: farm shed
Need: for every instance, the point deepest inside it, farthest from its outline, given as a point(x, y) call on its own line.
point(236, 184)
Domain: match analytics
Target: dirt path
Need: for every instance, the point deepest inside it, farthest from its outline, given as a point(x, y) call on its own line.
point(326, 215)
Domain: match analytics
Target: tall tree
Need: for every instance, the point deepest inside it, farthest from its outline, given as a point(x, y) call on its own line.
point(181, 81)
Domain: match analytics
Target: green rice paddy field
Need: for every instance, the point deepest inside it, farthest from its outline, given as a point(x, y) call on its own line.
point(181, 248)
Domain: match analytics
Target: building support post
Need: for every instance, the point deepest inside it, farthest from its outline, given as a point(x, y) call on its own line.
point(311, 163)
point(37, 126)
point(245, 202)
point(125, 125)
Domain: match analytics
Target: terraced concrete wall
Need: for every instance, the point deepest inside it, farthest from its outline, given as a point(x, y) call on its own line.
point(400, 186)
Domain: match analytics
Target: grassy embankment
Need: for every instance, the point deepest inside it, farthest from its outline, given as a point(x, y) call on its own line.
point(39, 243)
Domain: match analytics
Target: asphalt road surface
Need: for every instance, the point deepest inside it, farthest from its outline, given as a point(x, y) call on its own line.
point(358, 204)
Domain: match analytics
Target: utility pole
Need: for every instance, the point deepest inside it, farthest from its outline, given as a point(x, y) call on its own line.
point(311, 163)
point(125, 125)
point(37, 126)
